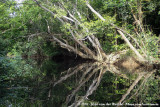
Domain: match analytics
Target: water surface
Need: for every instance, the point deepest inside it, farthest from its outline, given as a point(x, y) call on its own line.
point(46, 83)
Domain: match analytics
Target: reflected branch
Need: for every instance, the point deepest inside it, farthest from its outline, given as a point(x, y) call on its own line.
point(85, 73)
point(95, 72)
point(131, 87)
point(113, 69)
point(76, 69)
point(92, 88)
point(142, 84)
point(69, 97)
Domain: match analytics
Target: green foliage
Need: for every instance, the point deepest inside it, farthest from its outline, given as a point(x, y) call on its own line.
point(149, 43)
point(129, 53)
point(149, 92)
point(18, 23)
point(25, 20)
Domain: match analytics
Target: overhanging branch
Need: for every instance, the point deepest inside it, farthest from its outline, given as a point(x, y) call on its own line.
point(121, 33)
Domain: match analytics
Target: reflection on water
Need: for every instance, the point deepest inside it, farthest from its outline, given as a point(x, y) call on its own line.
point(90, 83)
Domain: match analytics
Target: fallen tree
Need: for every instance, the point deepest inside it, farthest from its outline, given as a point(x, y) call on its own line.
point(87, 44)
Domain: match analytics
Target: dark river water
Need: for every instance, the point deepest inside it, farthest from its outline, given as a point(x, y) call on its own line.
point(46, 83)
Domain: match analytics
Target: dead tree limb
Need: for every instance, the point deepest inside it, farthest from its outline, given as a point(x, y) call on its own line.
point(121, 33)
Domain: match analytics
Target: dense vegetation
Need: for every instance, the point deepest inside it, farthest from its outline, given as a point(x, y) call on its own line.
point(38, 27)
point(100, 30)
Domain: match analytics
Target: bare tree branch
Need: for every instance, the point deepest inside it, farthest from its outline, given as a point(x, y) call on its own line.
point(70, 48)
point(65, 17)
point(131, 46)
point(90, 7)
point(81, 44)
point(123, 36)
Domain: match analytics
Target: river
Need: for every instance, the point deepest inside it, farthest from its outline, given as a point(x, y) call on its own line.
point(48, 83)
